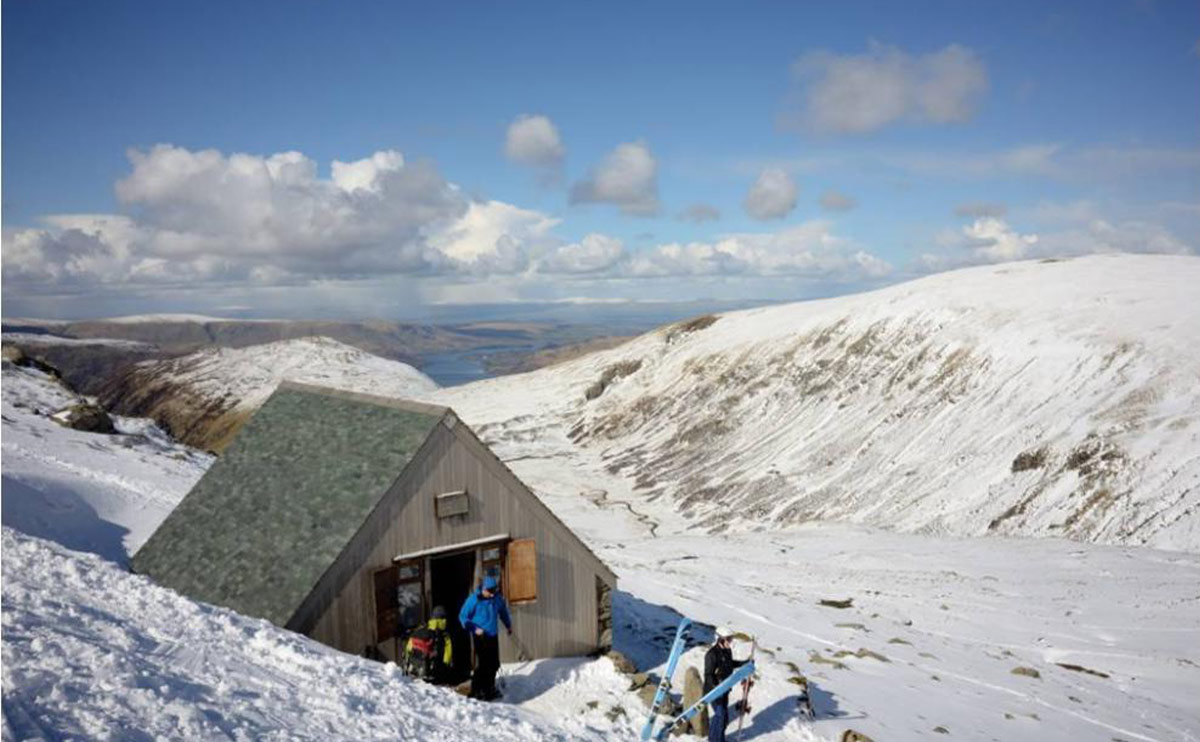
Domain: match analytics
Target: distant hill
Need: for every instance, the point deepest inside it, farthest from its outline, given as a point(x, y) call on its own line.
point(179, 334)
point(1053, 398)
point(203, 398)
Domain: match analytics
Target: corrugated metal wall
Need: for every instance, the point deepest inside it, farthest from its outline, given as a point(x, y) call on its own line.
point(563, 620)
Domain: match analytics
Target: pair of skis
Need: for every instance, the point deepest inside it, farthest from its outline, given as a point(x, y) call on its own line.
point(664, 687)
point(742, 673)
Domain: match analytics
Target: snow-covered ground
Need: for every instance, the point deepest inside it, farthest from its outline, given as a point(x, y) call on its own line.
point(952, 618)
point(92, 492)
point(92, 652)
point(1107, 637)
point(1032, 399)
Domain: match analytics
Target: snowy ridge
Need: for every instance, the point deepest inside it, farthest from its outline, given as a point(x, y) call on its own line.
point(204, 398)
point(1041, 398)
point(26, 338)
point(247, 376)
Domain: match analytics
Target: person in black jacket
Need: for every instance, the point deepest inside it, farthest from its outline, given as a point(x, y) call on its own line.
point(719, 664)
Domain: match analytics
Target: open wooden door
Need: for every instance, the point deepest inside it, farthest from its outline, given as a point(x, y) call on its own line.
point(521, 574)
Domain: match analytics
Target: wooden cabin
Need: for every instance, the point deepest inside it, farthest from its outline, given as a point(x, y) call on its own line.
point(347, 517)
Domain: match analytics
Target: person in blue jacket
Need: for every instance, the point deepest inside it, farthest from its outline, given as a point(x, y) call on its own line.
point(479, 616)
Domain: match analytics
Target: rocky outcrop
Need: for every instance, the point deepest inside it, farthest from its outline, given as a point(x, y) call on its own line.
point(85, 416)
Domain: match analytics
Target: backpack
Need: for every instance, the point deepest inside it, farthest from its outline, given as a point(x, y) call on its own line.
point(423, 658)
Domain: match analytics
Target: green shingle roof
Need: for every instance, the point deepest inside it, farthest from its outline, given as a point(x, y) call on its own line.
point(274, 511)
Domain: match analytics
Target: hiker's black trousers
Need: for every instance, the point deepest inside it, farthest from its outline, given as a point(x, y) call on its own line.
point(487, 663)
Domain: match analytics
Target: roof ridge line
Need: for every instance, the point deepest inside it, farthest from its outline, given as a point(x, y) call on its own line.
point(409, 405)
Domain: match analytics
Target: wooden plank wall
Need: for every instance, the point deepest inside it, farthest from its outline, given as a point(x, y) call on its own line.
point(563, 620)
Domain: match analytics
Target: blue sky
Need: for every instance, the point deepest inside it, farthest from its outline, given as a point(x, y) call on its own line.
point(952, 133)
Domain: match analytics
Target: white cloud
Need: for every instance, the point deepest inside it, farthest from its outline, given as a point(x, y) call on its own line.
point(858, 93)
point(993, 240)
point(533, 140)
point(364, 174)
point(772, 196)
point(810, 249)
point(1101, 236)
point(203, 216)
point(699, 213)
point(494, 237)
point(627, 177)
point(593, 254)
point(836, 201)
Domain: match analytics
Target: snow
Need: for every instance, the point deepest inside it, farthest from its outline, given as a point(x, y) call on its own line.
point(249, 375)
point(937, 623)
point(902, 408)
point(45, 339)
point(92, 492)
point(108, 655)
point(970, 611)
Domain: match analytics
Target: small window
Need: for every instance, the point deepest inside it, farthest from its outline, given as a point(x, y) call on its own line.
point(491, 560)
point(451, 503)
point(408, 602)
point(522, 571)
point(399, 599)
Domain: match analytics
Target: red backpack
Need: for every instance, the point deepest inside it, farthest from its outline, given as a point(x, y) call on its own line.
point(423, 659)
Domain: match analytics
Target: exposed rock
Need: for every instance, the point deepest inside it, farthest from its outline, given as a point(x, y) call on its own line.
point(688, 326)
point(1028, 672)
point(852, 736)
point(622, 663)
point(646, 693)
point(638, 680)
point(1081, 668)
point(18, 357)
point(693, 691)
point(831, 603)
point(611, 375)
point(85, 416)
point(615, 713)
point(1027, 460)
point(818, 659)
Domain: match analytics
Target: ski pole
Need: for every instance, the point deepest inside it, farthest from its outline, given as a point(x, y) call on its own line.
point(746, 692)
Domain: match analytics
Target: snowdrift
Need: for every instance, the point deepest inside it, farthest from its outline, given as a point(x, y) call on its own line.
point(108, 655)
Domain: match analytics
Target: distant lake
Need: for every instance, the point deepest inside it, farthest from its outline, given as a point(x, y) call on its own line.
point(460, 366)
point(563, 324)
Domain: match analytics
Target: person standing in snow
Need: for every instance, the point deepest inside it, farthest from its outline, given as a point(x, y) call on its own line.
point(719, 664)
point(479, 616)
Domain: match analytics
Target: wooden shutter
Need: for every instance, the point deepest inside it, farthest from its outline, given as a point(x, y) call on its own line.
point(521, 574)
point(386, 608)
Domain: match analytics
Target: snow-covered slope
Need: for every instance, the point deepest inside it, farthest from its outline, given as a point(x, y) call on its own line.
point(92, 492)
point(92, 652)
point(932, 637)
point(203, 398)
point(1042, 398)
